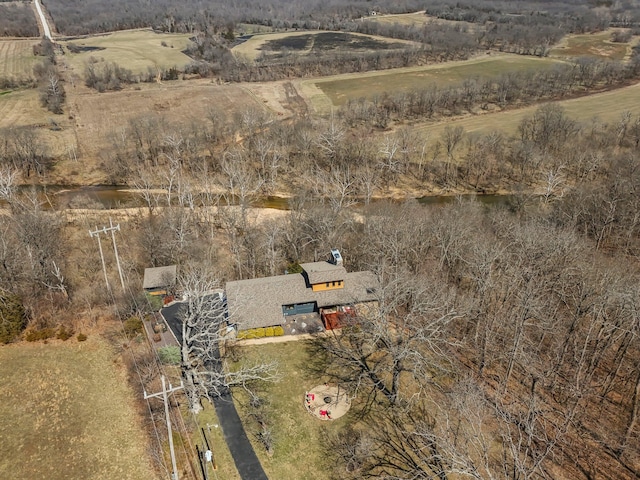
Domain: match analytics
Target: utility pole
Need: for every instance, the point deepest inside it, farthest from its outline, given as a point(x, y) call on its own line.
point(115, 249)
point(104, 268)
point(105, 230)
point(164, 392)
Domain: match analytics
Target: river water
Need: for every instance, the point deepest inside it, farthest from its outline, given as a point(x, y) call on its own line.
point(111, 197)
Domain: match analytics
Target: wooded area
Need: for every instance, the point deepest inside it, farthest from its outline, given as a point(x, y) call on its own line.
point(17, 20)
point(506, 341)
point(505, 344)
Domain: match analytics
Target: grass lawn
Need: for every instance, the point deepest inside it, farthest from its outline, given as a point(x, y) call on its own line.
point(297, 435)
point(207, 419)
point(341, 88)
point(136, 50)
point(592, 45)
point(21, 108)
point(67, 412)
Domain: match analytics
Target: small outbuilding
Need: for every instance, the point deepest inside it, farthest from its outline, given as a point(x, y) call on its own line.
point(159, 280)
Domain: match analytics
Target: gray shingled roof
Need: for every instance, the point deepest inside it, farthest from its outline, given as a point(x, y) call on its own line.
point(322, 272)
point(258, 302)
point(158, 277)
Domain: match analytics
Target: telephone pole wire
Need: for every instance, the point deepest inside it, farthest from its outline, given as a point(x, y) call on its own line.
point(105, 230)
point(164, 392)
point(115, 249)
point(104, 268)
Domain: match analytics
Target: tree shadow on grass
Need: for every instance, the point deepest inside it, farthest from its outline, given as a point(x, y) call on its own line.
point(327, 368)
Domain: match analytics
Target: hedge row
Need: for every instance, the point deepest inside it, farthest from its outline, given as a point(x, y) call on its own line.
point(261, 332)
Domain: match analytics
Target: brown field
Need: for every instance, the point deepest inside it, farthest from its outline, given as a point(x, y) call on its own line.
point(96, 115)
point(21, 108)
point(17, 58)
point(136, 50)
point(67, 412)
point(592, 45)
point(325, 93)
point(258, 44)
point(606, 107)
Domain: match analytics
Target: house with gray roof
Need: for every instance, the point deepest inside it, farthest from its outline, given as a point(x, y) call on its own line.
point(158, 280)
point(265, 302)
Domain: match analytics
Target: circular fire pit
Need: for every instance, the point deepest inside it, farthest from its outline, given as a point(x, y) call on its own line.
point(327, 402)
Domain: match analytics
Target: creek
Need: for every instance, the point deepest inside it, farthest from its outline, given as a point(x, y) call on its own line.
point(122, 196)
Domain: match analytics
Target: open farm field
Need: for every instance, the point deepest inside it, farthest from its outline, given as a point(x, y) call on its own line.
point(136, 50)
point(17, 58)
point(298, 436)
point(606, 107)
point(417, 19)
point(67, 412)
point(334, 91)
point(275, 45)
point(591, 45)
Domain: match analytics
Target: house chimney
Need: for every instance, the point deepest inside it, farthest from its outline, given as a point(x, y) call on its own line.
point(336, 258)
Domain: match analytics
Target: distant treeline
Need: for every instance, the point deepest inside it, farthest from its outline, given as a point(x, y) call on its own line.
point(573, 15)
point(17, 20)
point(74, 17)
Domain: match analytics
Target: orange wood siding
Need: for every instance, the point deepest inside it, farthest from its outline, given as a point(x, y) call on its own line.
point(320, 287)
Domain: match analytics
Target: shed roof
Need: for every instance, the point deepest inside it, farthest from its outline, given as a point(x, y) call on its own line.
point(258, 302)
point(158, 277)
point(322, 272)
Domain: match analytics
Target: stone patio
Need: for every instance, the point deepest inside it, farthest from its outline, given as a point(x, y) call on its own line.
point(303, 323)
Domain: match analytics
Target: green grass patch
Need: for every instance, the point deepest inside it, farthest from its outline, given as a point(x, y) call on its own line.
point(342, 88)
point(590, 45)
point(298, 436)
point(136, 50)
point(208, 420)
point(67, 412)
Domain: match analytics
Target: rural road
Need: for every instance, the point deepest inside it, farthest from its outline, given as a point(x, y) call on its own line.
point(245, 458)
point(43, 20)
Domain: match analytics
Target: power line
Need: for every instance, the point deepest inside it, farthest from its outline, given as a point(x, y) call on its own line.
point(164, 394)
point(137, 369)
point(178, 419)
point(124, 332)
point(96, 233)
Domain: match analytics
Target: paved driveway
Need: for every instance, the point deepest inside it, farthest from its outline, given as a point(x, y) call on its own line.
point(244, 456)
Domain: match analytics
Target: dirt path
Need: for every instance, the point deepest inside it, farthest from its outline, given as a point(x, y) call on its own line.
point(43, 21)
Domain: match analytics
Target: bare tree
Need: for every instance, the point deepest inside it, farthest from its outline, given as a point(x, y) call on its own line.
point(204, 326)
point(405, 334)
